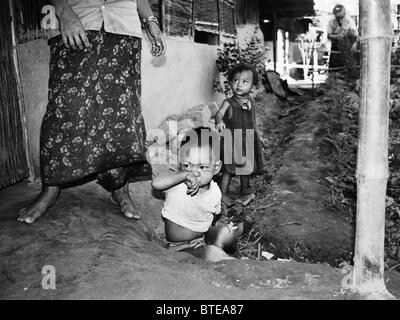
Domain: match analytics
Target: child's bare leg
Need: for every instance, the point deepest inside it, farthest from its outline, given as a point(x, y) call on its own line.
point(245, 185)
point(226, 179)
point(44, 201)
point(176, 233)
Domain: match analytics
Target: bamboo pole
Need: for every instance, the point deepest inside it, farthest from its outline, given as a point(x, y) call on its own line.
point(372, 166)
point(275, 35)
point(162, 14)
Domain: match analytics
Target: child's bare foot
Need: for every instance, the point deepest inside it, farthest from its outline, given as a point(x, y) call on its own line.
point(122, 197)
point(42, 203)
point(226, 200)
point(247, 191)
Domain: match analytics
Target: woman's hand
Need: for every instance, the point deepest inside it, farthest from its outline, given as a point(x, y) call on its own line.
point(72, 31)
point(157, 39)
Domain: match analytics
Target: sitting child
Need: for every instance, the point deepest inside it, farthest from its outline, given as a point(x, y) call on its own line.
point(193, 199)
point(238, 112)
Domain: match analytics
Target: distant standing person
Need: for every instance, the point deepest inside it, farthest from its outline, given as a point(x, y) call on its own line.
point(93, 125)
point(343, 32)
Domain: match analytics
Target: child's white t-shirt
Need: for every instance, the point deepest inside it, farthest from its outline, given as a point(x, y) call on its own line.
point(194, 213)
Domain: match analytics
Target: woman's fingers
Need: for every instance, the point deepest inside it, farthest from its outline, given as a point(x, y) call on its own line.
point(157, 39)
point(163, 44)
point(160, 45)
point(85, 39)
point(71, 40)
point(65, 40)
point(153, 48)
point(78, 41)
point(81, 40)
point(74, 35)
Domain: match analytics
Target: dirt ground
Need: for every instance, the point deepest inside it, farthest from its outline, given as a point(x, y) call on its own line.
point(98, 254)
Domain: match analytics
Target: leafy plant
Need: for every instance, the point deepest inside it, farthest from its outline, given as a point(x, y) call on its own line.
point(231, 54)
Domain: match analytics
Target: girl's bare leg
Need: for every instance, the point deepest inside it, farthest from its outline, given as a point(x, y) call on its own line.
point(226, 179)
point(42, 203)
point(245, 185)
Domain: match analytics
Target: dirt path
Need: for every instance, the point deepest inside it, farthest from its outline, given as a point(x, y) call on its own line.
point(291, 210)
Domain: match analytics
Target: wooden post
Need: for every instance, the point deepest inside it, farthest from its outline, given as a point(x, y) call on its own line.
point(372, 166)
point(162, 14)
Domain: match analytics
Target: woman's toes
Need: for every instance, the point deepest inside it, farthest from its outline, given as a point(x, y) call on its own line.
point(131, 215)
point(21, 215)
point(29, 217)
point(128, 214)
point(137, 216)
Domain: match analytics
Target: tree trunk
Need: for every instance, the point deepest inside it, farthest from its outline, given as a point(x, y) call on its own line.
point(372, 167)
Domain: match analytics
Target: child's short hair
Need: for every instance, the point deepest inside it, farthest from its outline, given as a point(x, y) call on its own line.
point(199, 133)
point(241, 68)
point(203, 136)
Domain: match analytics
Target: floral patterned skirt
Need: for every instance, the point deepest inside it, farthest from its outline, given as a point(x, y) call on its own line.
point(93, 122)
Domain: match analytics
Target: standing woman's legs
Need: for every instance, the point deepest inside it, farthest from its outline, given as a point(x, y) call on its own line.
point(116, 181)
point(44, 201)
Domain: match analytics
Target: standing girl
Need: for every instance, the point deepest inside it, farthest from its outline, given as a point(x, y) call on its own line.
point(238, 112)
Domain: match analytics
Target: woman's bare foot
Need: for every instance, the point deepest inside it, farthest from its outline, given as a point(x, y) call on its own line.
point(226, 200)
point(122, 197)
point(42, 203)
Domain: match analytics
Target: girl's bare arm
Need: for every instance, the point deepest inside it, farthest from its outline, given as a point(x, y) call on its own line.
point(221, 112)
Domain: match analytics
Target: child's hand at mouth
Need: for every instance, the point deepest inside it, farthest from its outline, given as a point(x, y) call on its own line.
point(192, 183)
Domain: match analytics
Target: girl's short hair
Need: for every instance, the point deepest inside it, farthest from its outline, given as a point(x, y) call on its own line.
point(241, 68)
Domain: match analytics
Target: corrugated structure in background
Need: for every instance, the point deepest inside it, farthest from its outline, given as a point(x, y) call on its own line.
point(227, 17)
point(28, 18)
point(178, 17)
point(206, 15)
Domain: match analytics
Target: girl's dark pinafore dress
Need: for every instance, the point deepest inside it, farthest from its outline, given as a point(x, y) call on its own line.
point(237, 160)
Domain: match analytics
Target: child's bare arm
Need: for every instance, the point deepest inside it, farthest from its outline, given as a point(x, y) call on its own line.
point(165, 181)
point(220, 114)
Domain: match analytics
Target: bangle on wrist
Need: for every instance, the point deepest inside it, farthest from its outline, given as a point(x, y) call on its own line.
point(150, 18)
